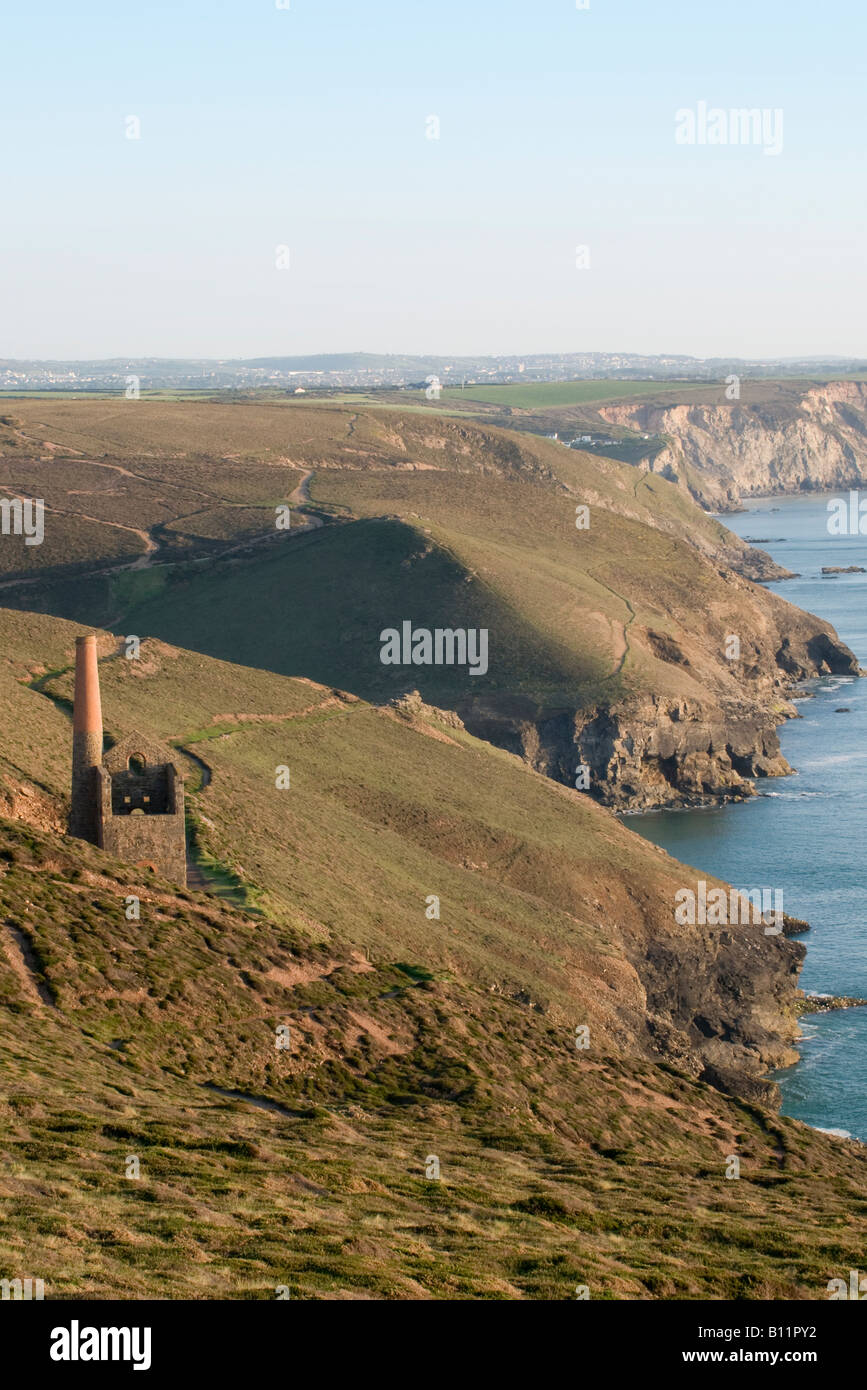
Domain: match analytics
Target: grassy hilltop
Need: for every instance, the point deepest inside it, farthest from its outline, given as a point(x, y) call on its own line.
point(608, 640)
point(441, 521)
point(411, 1037)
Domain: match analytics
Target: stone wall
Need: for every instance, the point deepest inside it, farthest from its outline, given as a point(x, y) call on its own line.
point(156, 842)
point(147, 791)
point(152, 839)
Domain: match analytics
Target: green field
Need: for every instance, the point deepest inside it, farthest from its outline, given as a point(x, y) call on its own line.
point(542, 394)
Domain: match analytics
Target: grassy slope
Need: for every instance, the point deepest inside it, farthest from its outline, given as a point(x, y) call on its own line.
point(559, 1167)
point(549, 394)
point(178, 457)
point(481, 533)
point(568, 611)
point(381, 812)
point(110, 475)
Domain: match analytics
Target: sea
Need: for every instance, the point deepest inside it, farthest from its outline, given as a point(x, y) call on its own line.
point(806, 834)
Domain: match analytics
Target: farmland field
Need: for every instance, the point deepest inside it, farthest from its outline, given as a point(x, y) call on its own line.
point(540, 394)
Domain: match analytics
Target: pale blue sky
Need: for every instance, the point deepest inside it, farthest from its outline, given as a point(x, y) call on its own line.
point(306, 127)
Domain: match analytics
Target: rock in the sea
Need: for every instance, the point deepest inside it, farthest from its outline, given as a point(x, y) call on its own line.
point(824, 1003)
point(794, 926)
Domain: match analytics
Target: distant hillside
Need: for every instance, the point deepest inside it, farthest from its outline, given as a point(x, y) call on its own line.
point(397, 369)
point(608, 645)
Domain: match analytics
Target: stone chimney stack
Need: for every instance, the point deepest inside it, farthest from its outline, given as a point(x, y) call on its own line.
point(86, 741)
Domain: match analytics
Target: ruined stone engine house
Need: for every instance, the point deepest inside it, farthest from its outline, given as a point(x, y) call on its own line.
point(130, 799)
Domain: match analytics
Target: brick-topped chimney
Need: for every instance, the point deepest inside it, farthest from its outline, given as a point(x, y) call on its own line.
point(86, 741)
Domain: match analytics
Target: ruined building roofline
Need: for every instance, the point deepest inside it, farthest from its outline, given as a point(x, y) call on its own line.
point(116, 757)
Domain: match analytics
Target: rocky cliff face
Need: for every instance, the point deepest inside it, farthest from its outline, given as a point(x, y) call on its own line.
point(21, 799)
point(662, 750)
point(725, 998)
point(721, 453)
point(719, 1003)
point(641, 754)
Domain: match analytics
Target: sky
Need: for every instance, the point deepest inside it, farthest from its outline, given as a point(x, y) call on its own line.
point(461, 177)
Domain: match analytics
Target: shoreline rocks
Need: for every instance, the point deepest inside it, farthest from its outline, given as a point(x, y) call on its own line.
point(662, 752)
point(794, 926)
point(826, 1003)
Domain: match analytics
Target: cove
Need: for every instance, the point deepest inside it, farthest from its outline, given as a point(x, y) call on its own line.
point(807, 833)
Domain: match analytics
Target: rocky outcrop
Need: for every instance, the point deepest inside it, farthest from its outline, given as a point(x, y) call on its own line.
point(659, 750)
point(666, 752)
point(725, 998)
point(21, 799)
point(640, 754)
point(812, 441)
point(827, 1003)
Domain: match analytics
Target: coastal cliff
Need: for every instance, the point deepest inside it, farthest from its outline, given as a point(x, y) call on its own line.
point(677, 750)
point(722, 1003)
point(811, 441)
point(644, 753)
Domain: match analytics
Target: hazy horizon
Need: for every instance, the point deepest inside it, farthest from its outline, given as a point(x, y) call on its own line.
point(419, 355)
point(231, 181)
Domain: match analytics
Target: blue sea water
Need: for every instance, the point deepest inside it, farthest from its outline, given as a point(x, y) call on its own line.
point(807, 834)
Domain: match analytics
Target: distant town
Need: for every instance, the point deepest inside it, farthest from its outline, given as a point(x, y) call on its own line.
point(367, 371)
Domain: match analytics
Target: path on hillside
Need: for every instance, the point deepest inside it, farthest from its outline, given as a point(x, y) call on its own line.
point(78, 457)
point(300, 497)
point(196, 878)
point(149, 543)
point(19, 953)
point(619, 657)
point(138, 563)
point(154, 481)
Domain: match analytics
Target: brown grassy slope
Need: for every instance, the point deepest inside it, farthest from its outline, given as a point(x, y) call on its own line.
point(637, 603)
point(558, 1167)
point(34, 734)
point(574, 617)
point(543, 895)
point(146, 464)
point(445, 524)
point(595, 595)
point(110, 488)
